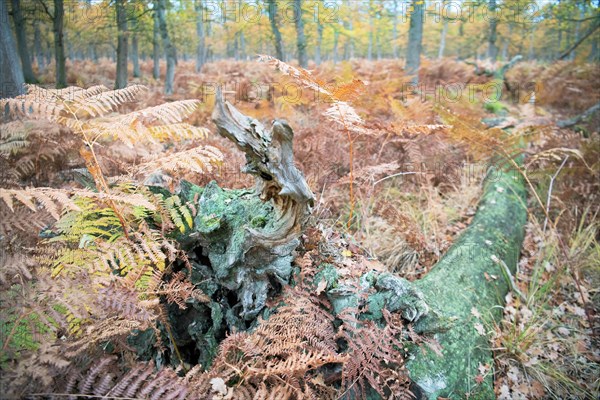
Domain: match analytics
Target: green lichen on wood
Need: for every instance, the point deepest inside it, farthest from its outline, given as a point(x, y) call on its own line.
point(468, 277)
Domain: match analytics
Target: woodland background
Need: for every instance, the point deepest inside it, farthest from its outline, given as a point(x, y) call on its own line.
point(118, 95)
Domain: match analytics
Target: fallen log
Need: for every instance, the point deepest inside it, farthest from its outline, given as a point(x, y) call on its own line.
point(468, 286)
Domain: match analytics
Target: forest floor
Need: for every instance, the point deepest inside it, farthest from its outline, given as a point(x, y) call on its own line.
point(414, 184)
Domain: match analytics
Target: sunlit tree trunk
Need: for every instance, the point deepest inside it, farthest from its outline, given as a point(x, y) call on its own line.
point(169, 48)
point(201, 48)
point(319, 35)
point(444, 33)
point(493, 34)
point(371, 28)
point(505, 43)
point(336, 37)
point(272, 9)
point(300, 38)
point(155, 45)
point(11, 76)
point(121, 78)
point(19, 21)
point(415, 40)
point(242, 37)
point(348, 26)
point(531, 53)
point(395, 30)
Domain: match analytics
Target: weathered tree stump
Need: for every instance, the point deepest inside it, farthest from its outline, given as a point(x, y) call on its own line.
point(241, 249)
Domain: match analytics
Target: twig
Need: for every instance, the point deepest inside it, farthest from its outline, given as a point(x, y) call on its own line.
point(393, 176)
point(552, 178)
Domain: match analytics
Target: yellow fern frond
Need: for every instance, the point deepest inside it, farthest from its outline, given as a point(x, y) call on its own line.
point(181, 131)
point(95, 102)
point(13, 137)
point(155, 123)
point(200, 159)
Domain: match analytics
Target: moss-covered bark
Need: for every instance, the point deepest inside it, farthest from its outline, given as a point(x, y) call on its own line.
point(468, 282)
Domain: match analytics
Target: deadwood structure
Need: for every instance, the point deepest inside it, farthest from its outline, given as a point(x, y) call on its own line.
point(243, 242)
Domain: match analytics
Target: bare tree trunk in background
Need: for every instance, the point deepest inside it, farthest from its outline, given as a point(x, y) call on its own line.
point(577, 33)
point(531, 53)
point(371, 27)
point(319, 35)
point(169, 48)
point(201, 48)
point(594, 53)
point(59, 45)
point(349, 46)
point(415, 41)
point(395, 30)
point(17, 16)
point(336, 37)
point(155, 45)
point(122, 33)
point(559, 39)
point(241, 36)
point(276, 34)
point(493, 35)
point(11, 73)
point(300, 38)
point(135, 56)
point(135, 52)
point(506, 42)
point(595, 25)
point(37, 45)
point(443, 38)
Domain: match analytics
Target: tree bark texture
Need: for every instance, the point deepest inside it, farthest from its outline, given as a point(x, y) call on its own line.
point(11, 73)
point(122, 33)
point(19, 21)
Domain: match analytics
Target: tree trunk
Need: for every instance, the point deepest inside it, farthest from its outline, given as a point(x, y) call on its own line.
point(443, 39)
point(37, 45)
point(300, 38)
point(59, 45)
point(19, 21)
point(122, 33)
point(348, 26)
point(155, 44)
point(464, 280)
point(11, 73)
point(336, 38)
point(493, 35)
point(415, 39)
point(577, 31)
point(531, 52)
point(595, 25)
point(276, 34)
point(506, 42)
point(242, 37)
point(395, 30)
point(200, 49)
point(319, 35)
point(135, 56)
point(371, 28)
point(169, 48)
